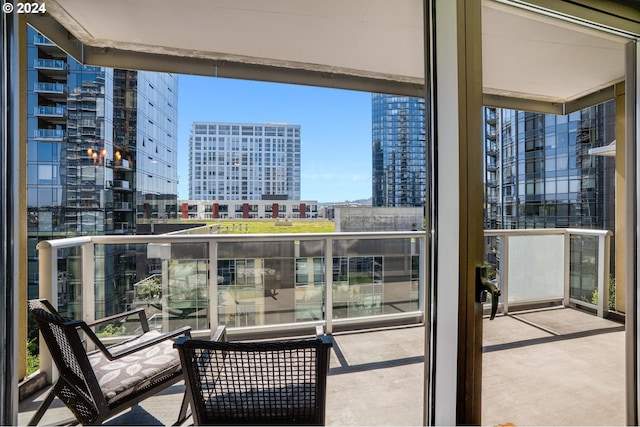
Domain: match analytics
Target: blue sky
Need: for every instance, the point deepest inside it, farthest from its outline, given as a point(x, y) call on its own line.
point(335, 129)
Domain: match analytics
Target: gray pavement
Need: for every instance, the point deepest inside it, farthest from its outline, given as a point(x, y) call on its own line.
point(545, 367)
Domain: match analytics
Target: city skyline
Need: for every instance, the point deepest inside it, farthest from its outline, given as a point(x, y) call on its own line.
point(335, 129)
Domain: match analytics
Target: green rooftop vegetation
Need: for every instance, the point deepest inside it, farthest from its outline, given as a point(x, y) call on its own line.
point(271, 226)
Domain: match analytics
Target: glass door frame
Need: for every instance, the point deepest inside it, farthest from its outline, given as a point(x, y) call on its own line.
point(450, 27)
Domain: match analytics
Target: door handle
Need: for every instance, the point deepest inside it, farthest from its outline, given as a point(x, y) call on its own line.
point(483, 287)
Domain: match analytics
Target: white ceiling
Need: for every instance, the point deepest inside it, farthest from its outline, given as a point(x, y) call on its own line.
point(528, 55)
point(525, 54)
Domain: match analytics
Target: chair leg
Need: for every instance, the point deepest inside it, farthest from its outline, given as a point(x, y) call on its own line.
point(183, 415)
point(42, 408)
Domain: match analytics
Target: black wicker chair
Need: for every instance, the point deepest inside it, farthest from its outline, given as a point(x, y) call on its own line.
point(259, 383)
point(99, 384)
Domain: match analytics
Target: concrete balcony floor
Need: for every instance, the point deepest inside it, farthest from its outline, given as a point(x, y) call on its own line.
point(543, 367)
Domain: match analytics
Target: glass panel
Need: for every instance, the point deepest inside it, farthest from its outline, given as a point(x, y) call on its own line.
point(536, 267)
point(375, 276)
point(584, 268)
point(270, 283)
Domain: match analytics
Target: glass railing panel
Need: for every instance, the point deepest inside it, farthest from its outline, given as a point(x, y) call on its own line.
point(187, 300)
point(375, 276)
point(69, 282)
point(536, 267)
point(583, 268)
point(115, 275)
point(270, 283)
point(49, 63)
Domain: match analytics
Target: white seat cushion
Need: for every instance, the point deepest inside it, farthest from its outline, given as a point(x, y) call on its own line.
point(119, 378)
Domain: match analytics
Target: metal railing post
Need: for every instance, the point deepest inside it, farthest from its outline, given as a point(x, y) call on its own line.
point(164, 299)
point(567, 269)
point(603, 274)
point(213, 285)
point(504, 273)
point(87, 251)
point(88, 282)
point(328, 287)
point(47, 288)
point(422, 295)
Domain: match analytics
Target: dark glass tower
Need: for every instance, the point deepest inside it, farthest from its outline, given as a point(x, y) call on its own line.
point(399, 162)
point(539, 173)
point(101, 156)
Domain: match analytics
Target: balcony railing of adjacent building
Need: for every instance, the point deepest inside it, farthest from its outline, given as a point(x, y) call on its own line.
point(50, 64)
point(55, 88)
point(283, 283)
point(49, 134)
point(49, 111)
point(39, 39)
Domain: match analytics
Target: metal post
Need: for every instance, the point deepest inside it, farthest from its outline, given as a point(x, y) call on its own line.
point(165, 294)
point(328, 285)
point(213, 285)
point(10, 108)
point(88, 282)
point(504, 273)
point(567, 269)
point(632, 179)
point(603, 275)
point(47, 288)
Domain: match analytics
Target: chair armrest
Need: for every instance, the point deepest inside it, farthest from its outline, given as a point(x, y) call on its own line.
point(326, 339)
point(220, 335)
point(184, 331)
point(139, 312)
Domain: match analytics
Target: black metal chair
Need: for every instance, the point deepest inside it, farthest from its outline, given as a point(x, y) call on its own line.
point(99, 384)
point(259, 383)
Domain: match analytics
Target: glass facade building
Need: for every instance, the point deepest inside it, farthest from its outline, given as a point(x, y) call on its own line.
point(398, 151)
point(101, 154)
point(243, 161)
point(539, 173)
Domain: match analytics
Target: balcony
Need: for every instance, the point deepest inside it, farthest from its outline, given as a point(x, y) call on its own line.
point(53, 112)
point(40, 40)
point(492, 149)
point(375, 377)
point(49, 135)
point(119, 185)
point(49, 64)
point(283, 284)
point(122, 206)
point(52, 68)
point(53, 91)
point(492, 166)
point(121, 165)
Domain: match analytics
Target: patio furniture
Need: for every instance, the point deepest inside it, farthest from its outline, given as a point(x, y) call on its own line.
point(97, 385)
point(266, 382)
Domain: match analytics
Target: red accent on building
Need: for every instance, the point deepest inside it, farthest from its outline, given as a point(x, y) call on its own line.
point(215, 211)
point(274, 210)
point(146, 210)
point(185, 210)
point(245, 210)
point(303, 210)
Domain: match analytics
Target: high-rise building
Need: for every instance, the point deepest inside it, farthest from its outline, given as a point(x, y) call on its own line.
point(399, 153)
point(244, 161)
point(101, 154)
point(540, 173)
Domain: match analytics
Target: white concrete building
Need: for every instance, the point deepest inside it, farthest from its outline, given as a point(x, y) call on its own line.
point(243, 161)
